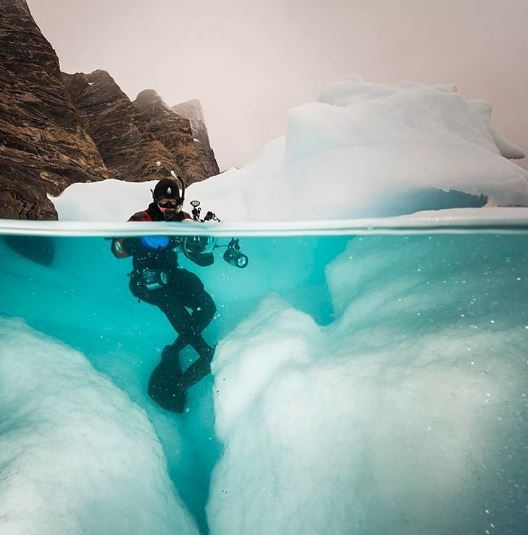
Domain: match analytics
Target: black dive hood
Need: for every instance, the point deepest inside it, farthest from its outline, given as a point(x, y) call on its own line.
point(164, 188)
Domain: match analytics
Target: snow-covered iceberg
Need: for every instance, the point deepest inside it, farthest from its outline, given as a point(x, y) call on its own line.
point(76, 454)
point(363, 150)
point(369, 150)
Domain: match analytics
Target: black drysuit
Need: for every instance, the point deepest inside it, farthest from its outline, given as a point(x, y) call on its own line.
point(179, 293)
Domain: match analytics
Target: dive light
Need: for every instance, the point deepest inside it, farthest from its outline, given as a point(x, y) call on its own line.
point(234, 256)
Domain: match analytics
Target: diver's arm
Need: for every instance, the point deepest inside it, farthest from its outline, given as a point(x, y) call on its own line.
point(123, 247)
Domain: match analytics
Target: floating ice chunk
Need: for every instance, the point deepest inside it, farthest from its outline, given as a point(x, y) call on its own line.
point(96, 201)
point(76, 455)
point(363, 150)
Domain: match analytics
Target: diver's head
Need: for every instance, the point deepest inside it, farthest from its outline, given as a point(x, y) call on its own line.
point(167, 197)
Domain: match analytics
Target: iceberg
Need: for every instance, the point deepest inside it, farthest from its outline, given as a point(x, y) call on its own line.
point(369, 376)
point(405, 414)
point(76, 454)
point(374, 150)
point(363, 150)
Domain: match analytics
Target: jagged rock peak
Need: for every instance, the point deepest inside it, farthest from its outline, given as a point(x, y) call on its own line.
point(150, 103)
point(118, 128)
point(96, 88)
point(191, 109)
point(195, 160)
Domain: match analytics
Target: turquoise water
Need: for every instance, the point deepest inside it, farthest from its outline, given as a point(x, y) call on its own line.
point(409, 335)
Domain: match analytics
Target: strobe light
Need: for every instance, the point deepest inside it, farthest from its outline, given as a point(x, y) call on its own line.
point(234, 256)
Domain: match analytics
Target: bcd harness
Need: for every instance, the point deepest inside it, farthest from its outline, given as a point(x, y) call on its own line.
point(146, 279)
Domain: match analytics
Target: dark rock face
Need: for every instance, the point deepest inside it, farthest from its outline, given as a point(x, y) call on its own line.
point(43, 146)
point(195, 160)
point(57, 129)
point(118, 129)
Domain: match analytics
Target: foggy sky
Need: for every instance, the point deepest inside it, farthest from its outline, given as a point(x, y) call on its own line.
point(249, 62)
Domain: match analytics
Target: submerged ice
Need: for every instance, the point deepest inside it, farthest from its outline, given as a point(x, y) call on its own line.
point(374, 384)
point(76, 454)
point(406, 414)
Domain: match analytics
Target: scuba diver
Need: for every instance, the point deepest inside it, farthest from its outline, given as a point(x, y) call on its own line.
point(158, 280)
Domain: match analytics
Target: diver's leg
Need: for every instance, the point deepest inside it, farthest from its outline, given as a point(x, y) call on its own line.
point(186, 291)
point(199, 369)
point(203, 309)
point(202, 316)
point(194, 296)
point(176, 313)
point(170, 356)
point(165, 381)
point(189, 290)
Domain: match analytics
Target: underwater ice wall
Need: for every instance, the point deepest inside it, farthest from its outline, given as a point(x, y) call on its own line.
point(407, 414)
point(82, 299)
point(401, 409)
point(76, 454)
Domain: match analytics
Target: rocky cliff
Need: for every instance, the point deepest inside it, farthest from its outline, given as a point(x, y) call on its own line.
point(195, 159)
point(118, 129)
point(56, 128)
point(140, 140)
point(43, 146)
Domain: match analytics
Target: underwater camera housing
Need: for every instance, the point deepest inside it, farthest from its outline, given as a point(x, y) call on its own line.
point(153, 279)
point(199, 249)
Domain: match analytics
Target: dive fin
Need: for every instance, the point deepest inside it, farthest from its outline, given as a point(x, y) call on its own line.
point(165, 384)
